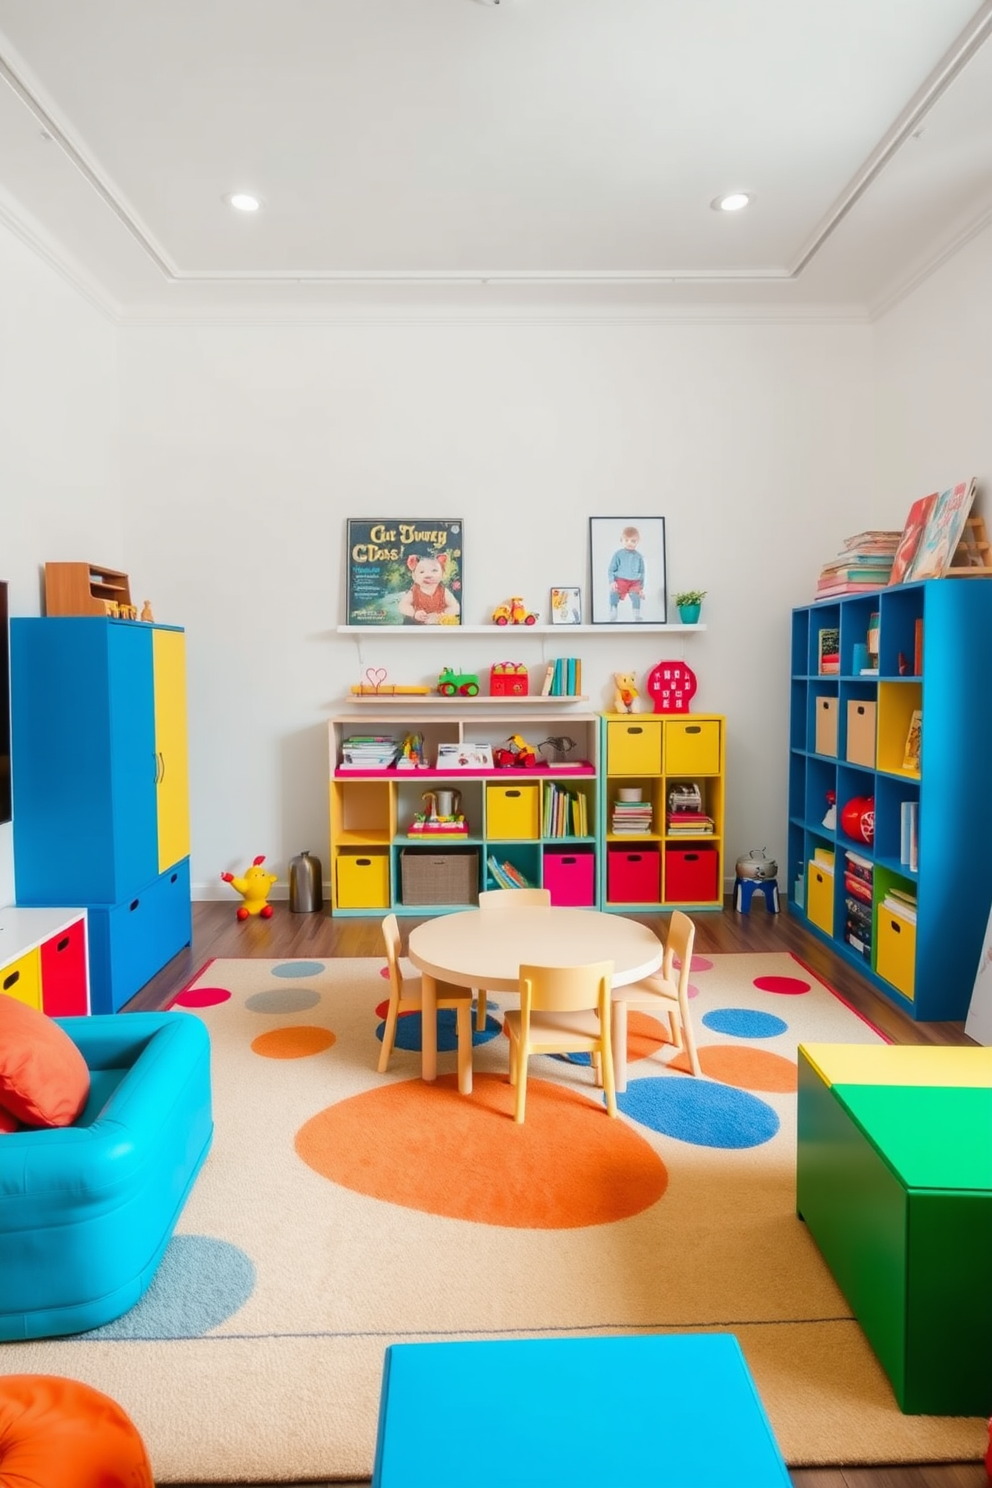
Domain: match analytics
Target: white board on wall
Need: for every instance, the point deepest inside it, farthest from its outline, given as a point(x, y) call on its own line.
point(978, 1024)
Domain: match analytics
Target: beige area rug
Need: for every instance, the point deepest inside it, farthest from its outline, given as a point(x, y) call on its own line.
point(340, 1210)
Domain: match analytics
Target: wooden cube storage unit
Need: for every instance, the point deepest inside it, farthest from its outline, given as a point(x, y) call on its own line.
point(86, 589)
point(514, 816)
point(664, 862)
point(931, 818)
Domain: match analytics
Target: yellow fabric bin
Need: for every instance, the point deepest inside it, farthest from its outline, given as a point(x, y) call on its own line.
point(513, 811)
point(895, 957)
point(633, 747)
point(22, 978)
point(363, 880)
point(692, 747)
point(820, 897)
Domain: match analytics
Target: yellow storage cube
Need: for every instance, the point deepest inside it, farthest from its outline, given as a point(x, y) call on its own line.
point(363, 880)
point(513, 811)
point(22, 978)
point(633, 747)
point(895, 958)
point(820, 897)
point(692, 746)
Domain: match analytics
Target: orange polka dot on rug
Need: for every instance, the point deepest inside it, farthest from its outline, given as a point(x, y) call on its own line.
point(783, 985)
point(293, 1043)
point(745, 1068)
point(646, 1036)
point(426, 1147)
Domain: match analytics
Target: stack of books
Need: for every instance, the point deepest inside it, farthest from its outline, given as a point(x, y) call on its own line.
point(632, 816)
point(901, 902)
point(858, 880)
point(690, 824)
point(505, 876)
point(864, 563)
point(565, 812)
point(563, 678)
point(367, 752)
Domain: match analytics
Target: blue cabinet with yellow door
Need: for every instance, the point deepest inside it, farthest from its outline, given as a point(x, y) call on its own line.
point(100, 783)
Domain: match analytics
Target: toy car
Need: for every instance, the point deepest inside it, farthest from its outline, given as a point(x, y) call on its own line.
point(515, 754)
point(514, 612)
point(464, 684)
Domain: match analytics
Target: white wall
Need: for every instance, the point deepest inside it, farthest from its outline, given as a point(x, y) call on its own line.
point(245, 449)
point(59, 439)
point(934, 386)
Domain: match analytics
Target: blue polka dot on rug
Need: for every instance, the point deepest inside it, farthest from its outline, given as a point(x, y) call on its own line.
point(200, 1283)
point(700, 1112)
point(408, 1031)
point(283, 1000)
point(298, 968)
point(744, 1023)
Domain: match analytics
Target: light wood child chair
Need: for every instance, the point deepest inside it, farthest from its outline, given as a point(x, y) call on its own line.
point(506, 899)
point(406, 995)
point(664, 992)
point(563, 1010)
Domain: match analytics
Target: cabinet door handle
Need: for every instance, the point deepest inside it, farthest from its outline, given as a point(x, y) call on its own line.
point(62, 943)
point(693, 728)
point(161, 767)
point(15, 976)
point(133, 905)
point(632, 730)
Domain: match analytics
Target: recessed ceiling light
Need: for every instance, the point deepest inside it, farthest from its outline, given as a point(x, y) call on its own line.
point(242, 201)
point(732, 202)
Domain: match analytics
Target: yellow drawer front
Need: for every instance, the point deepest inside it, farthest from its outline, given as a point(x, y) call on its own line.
point(363, 880)
point(896, 954)
point(692, 748)
point(634, 748)
point(22, 978)
point(820, 898)
point(513, 811)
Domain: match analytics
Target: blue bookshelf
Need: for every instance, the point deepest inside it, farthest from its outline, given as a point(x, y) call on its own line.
point(912, 922)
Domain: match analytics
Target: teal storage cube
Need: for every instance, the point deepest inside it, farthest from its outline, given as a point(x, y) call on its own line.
point(895, 1184)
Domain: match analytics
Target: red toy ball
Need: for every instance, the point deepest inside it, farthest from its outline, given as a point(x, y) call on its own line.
point(857, 818)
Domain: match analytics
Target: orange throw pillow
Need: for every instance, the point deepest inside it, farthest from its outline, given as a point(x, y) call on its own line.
point(59, 1433)
point(44, 1080)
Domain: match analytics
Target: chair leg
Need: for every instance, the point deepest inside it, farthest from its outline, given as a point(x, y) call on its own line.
point(480, 1010)
point(388, 1035)
point(675, 1026)
point(618, 1038)
point(463, 1024)
point(609, 1080)
point(518, 1113)
point(689, 1041)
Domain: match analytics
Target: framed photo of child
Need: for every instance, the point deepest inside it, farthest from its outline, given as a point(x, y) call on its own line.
point(405, 571)
point(627, 570)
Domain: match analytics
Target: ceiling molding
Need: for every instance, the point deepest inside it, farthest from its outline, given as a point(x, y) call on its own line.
point(24, 227)
point(456, 318)
point(953, 62)
point(902, 288)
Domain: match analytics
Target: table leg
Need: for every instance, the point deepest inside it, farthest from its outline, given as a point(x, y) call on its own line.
point(428, 1027)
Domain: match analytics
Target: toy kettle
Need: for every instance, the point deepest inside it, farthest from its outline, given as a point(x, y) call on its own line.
point(305, 884)
point(442, 803)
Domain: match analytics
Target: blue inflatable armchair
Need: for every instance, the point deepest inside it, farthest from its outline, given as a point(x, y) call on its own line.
point(87, 1210)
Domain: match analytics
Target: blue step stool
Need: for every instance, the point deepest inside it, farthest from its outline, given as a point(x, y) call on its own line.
point(574, 1413)
point(744, 892)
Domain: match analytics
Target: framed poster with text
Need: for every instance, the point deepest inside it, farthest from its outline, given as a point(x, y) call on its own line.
point(404, 571)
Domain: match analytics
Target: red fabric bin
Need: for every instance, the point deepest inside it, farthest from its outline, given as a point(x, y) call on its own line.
point(691, 875)
point(633, 875)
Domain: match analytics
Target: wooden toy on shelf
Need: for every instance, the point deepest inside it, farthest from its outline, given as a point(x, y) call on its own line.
point(509, 679)
point(514, 612)
point(146, 612)
point(515, 754)
point(626, 693)
point(87, 589)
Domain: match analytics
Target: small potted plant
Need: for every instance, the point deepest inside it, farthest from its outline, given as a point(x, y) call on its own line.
point(688, 602)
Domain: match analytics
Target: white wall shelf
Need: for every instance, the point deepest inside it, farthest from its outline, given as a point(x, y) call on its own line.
point(499, 632)
point(415, 700)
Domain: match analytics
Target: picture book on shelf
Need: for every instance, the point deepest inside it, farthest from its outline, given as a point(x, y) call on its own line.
point(912, 533)
point(914, 742)
point(828, 653)
point(944, 530)
point(465, 756)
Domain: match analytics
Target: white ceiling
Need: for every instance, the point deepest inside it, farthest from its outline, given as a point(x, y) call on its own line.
point(464, 153)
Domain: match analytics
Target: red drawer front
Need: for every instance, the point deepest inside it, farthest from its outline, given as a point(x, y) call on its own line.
point(633, 877)
point(691, 875)
point(570, 878)
point(63, 973)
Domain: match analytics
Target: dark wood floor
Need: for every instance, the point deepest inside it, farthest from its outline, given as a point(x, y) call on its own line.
point(217, 932)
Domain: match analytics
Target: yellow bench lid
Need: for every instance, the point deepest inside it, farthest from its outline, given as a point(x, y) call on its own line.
point(899, 1064)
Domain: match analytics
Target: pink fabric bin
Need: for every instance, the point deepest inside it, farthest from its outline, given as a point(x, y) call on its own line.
point(570, 877)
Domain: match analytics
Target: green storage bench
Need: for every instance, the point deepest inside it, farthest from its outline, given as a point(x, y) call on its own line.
point(894, 1180)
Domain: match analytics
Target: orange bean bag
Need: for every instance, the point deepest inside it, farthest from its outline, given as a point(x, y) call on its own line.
point(59, 1433)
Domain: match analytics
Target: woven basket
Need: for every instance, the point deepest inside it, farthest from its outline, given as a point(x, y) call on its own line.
point(440, 877)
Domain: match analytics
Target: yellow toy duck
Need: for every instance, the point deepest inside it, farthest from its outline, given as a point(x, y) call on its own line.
point(254, 889)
